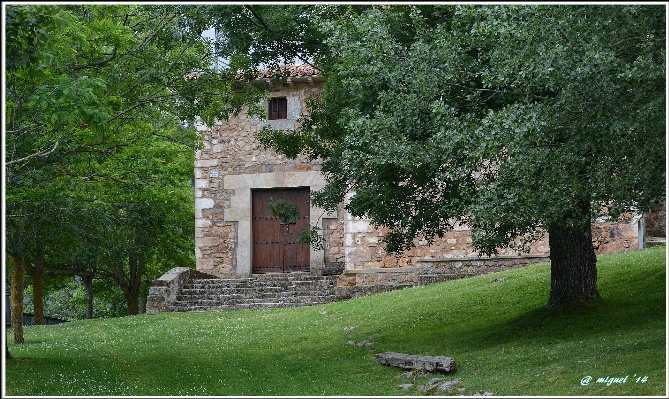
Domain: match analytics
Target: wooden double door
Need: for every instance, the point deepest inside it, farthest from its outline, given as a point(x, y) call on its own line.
point(274, 246)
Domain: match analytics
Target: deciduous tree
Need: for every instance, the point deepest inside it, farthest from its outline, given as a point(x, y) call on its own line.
point(518, 120)
point(87, 85)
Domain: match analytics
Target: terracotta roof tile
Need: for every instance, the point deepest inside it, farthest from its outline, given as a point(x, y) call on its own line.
point(292, 71)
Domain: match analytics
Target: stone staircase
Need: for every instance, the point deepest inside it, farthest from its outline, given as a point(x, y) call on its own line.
point(259, 291)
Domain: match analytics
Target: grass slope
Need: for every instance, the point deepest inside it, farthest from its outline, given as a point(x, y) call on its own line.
point(499, 333)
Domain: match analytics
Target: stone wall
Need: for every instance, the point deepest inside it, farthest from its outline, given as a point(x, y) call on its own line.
point(356, 283)
point(232, 163)
point(363, 248)
point(655, 221)
point(610, 237)
point(333, 239)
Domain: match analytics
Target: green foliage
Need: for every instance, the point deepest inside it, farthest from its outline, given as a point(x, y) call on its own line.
point(428, 123)
point(262, 34)
point(286, 211)
point(289, 143)
point(29, 26)
point(68, 302)
point(311, 236)
point(497, 330)
point(98, 161)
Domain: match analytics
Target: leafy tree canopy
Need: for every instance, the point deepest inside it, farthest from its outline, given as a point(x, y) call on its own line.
point(98, 160)
point(517, 120)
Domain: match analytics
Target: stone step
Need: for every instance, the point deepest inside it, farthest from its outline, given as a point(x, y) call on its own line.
point(258, 283)
point(226, 296)
point(252, 290)
point(181, 306)
point(261, 291)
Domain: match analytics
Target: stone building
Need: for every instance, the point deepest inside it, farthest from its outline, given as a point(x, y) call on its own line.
point(236, 237)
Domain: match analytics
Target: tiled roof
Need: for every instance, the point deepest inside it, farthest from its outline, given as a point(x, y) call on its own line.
point(292, 69)
point(295, 71)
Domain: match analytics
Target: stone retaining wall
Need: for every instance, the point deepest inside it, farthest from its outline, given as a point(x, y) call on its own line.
point(357, 283)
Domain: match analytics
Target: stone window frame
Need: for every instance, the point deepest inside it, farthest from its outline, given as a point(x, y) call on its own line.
point(277, 108)
point(293, 113)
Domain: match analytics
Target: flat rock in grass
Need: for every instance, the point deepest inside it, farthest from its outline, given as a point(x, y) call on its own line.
point(438, 384)
point(415, 374)
point(441, 364)
point(449, 384)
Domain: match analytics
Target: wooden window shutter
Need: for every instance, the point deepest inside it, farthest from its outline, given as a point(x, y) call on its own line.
point(278, 108)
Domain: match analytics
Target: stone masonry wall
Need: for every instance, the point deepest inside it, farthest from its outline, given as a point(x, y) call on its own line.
point(357, 283)
point(232, 163)
point(366, 263)
point(364, 250)
point(656, 221)
point(333, 232)
point(610, 237)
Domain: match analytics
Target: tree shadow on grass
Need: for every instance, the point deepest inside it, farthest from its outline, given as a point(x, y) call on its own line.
point(598, 317)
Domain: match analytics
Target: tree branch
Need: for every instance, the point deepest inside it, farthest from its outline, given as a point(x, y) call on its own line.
point(257, 17)
point(564, 35)
point(625, 40)
point(96, 63)
point(24, 130)
point(517, 93)
point(37, 154)
point(150, 36)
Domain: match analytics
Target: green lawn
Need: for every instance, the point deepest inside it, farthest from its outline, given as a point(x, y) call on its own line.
point(499, 333)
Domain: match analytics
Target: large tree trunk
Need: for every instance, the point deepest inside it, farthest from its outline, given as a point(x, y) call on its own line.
point(36, 272)
point(133, 305)
point(88, 282)
point(131, 286)
point(17, 298)
point(136, 272)
point(38, 296)
point(573, 263)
